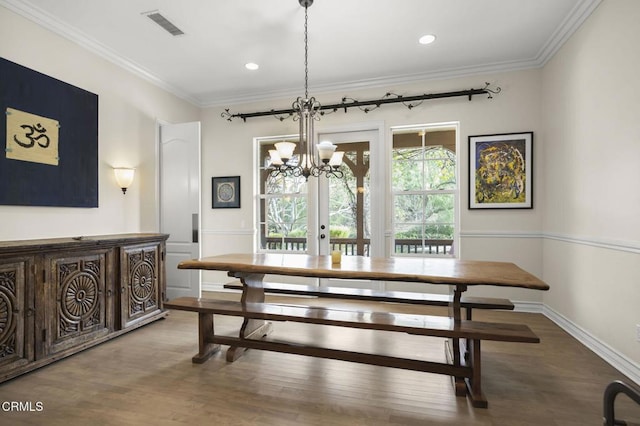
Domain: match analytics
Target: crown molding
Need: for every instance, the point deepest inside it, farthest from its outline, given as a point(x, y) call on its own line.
point(570, 25)
point(51, 23)
point(381, 82)
point(576, 18)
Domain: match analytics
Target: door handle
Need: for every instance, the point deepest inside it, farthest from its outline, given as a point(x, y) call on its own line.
point(194, 228)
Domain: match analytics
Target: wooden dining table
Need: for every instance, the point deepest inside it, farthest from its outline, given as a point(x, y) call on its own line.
point(456, 274)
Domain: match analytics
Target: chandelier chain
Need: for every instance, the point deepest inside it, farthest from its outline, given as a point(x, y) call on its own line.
point(306, 53)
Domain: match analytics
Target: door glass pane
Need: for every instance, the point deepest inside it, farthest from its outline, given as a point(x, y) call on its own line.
point(349, 201)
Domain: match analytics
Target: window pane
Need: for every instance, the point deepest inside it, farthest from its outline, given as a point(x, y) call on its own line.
point(285, 185)
point(439, 208)
point(407, 170)
point(285, 227)
point(440, 169)
point(408, 208)
point(438, 231)
point(408, 238)
point(286, 216)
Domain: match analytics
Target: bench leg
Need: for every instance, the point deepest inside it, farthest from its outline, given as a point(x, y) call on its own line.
point(474, 384)
point(205, 330)
point(252, 292)
point(258, 329)
point(457, 360)
point(452, 351)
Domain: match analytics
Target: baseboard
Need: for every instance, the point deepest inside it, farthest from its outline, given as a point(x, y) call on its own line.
point(621, 363)
point(530, 307)
point(216, 287)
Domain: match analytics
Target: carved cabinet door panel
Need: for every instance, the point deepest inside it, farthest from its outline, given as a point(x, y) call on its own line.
point(16, 313)
point(75, 295)
point(140, 283)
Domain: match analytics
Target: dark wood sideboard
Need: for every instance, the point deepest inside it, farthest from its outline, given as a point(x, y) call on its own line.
point(60, 296)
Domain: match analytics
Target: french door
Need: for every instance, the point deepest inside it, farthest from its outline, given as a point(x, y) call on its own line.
point(347, 218)
point(325, 214)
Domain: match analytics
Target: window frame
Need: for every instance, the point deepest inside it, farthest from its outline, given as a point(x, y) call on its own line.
point(393, 193)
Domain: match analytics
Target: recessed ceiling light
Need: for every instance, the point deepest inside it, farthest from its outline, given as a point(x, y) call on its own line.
point(251, 66)
point(427, 39)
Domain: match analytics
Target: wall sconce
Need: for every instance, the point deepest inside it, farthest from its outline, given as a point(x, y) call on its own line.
point(124, 177)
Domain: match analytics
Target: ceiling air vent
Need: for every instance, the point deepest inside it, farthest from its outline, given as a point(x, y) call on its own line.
point(167, 25)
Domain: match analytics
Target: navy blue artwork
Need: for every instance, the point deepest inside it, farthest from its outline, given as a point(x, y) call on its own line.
point(70, 179)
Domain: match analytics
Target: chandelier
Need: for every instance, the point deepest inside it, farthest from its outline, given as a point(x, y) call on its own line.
point(284, 160)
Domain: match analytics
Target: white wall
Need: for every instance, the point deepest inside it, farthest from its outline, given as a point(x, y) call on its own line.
point(591, 210)
point(127, 111)
point(506, 235)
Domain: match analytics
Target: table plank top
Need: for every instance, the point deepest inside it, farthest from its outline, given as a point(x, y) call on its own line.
point(412, 269)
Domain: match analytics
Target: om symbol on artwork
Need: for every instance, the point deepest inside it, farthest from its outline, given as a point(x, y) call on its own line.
point(32, 137)
point(29, 134)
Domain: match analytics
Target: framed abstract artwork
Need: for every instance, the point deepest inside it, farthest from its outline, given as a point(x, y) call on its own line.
point(225, 192)
point(501, 171)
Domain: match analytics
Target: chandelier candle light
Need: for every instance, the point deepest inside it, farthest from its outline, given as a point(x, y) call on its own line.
point(283, 160)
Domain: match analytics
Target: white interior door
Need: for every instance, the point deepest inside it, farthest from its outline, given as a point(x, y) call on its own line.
point(180, 204)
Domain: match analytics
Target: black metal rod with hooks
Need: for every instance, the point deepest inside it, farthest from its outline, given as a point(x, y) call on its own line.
point(345, 104)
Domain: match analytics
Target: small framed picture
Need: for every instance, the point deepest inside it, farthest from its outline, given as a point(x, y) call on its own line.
point(225, 192)
point(501, 171)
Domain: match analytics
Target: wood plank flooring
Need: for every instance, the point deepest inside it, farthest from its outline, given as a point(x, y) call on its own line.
point(146, 377)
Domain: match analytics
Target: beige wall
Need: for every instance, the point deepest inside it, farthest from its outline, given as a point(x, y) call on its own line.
point(509, 235)
point(128, 108)
point(591, 208)
point(582, 236)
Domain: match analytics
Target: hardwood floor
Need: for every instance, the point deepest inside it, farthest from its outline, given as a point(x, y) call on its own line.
point(146, 377)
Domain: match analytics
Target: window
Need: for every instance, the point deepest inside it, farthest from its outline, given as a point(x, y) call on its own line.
point(282, 208)
point(424, 187)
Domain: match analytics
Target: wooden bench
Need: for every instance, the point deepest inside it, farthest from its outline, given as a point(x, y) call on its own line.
point(467, 370)
point(467, 302)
